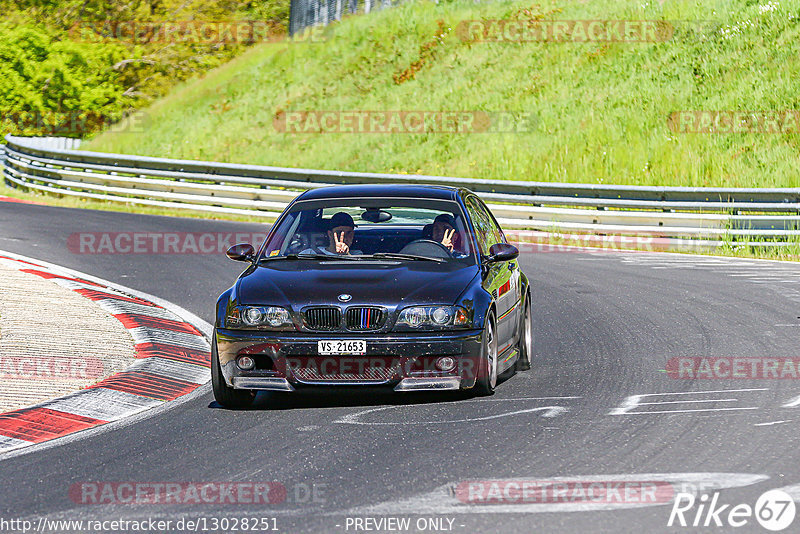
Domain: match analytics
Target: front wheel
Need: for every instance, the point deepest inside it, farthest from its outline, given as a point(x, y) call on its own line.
point(487, 372)
point(225, 395)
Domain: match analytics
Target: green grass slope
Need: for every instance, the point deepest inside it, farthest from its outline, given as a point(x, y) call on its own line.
point(601, 108)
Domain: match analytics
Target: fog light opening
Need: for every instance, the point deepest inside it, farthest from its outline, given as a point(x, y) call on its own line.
point(245, 363)
point(445, 363)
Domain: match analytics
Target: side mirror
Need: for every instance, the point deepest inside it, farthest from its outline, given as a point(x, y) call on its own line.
point(241, 252)
point(502, 252)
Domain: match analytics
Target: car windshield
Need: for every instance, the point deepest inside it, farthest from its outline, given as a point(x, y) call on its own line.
point(385, 228)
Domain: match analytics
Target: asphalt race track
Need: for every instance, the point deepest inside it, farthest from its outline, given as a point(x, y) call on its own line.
point(605, 325)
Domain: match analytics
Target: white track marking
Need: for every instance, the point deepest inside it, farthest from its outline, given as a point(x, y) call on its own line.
point(773, 423)
point(101, 403)
point(118, 307)
point(633, 401)
point(518, 399)
point(444, 500)
point(690, 411)
point(792, 403)
point(354, 418)
point(145, 334)
point(765, 274)
point(697, 392)
point(685, 402)
point(7, 444)
point(173, 369)
point(73, 285)
point(14, 264)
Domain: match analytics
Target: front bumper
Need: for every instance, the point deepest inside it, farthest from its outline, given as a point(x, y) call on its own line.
point(404, 361)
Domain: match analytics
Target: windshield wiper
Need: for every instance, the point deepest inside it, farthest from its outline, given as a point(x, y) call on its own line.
point(398, 256)
point(311, 257)
point(332, 257)
point(275, 258)
point(347, 257)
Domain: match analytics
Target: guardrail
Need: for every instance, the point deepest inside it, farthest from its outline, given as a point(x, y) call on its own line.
point(260, 191)
point(46, 142)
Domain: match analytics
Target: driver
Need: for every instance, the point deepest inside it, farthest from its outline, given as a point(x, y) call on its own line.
point(444, 231)
point(341, 230)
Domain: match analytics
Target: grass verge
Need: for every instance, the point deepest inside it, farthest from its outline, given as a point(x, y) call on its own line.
point(600, 110)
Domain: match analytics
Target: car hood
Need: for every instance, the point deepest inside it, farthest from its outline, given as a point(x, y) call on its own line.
point(306, 282)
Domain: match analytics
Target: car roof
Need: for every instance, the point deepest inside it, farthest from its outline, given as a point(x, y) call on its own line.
point(438, 192)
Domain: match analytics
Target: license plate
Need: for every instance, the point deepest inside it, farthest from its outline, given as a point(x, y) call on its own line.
point(342, 346)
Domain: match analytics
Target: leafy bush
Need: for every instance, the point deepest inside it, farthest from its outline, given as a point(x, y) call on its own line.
point(62, 72)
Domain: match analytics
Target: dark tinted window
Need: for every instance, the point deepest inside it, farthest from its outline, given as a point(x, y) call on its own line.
point(381, 225)
point(487, 231)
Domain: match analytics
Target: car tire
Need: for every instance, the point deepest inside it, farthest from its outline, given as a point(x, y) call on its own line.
point(487, 371)
point(525, 344)
point(226, 396)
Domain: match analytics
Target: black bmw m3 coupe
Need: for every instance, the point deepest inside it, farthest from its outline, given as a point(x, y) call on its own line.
point(408, 287)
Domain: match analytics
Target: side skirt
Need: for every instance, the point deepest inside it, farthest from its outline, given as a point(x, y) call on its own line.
point(507, 360)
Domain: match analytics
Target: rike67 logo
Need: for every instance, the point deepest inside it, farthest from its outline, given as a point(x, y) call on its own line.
point(774, 510)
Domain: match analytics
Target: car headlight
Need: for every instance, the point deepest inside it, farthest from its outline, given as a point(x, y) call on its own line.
point(259, 317)
point(432, 317)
